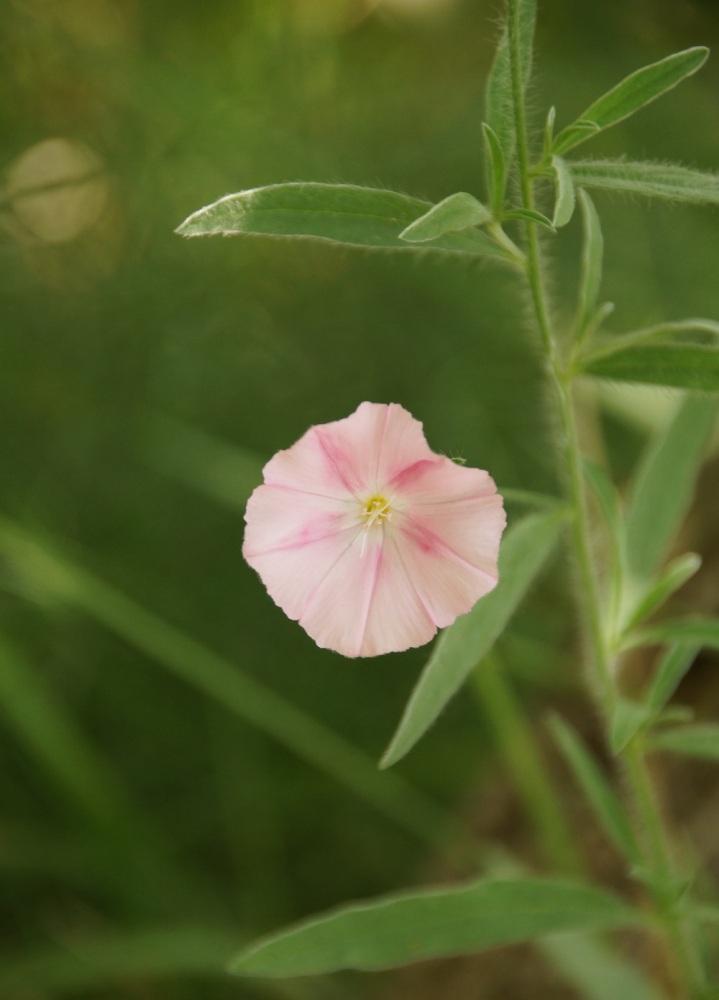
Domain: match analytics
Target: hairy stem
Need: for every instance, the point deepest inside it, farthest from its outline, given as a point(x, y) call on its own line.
point(663, 878)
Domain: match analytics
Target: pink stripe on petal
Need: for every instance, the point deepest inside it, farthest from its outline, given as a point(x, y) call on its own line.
point(405, 479)
point(293, 576)
point(470, 529)
point(276, 521)
point(366, 606)
point(380, 440)
point(447, 586)
point(307, 467)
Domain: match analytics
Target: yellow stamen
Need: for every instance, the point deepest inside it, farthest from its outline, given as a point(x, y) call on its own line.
point(376, 511)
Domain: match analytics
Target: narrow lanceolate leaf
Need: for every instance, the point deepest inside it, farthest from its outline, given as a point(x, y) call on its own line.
point(495, 169)
point(696, 327)
point(604, 802)
point(701, 740)
point(524, 551)
point(695, 629)
point(458, 211)
point(339, 213)
point(598, 970)
point(674, 576)
point(681, 366)
point(675, 662)
point(607, 497)
point(653, 180)
point(410, 927)
point(529, 215)
point(590, 278)
point(627, 719)
point(499, 112)
point(634, 92)
point(664, 483)
point(564, 196)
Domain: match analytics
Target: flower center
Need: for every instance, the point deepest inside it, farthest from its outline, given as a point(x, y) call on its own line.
point(376, 511)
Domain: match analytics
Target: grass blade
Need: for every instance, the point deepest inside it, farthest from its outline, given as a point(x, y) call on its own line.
point(221, 680)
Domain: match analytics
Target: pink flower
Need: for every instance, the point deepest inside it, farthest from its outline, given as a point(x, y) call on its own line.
point(369, 539)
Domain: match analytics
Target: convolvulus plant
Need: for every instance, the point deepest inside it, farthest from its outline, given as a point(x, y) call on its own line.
point(372, 541)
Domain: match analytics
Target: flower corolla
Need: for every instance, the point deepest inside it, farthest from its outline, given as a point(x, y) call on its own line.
point(370, 540)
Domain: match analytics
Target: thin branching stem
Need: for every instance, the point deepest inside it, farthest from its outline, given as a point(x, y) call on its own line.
point(662, 876)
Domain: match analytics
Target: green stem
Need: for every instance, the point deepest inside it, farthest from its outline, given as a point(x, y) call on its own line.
point(525, 762)
point(561, 382)
point(663, 879)
point(666, 883)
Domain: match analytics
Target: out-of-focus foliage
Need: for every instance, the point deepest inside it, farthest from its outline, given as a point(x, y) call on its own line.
point(145, 379)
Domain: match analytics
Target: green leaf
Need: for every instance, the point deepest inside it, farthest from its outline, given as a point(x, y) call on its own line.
point(590, 278)
point(630, 716)
point(654, 180)
point(695, 327)
point(413, 926)
point(664, 483)
point(627, 719)
point(495, 169)
point(573, 134)
point(499, 112)
point(524, 550)
point(634, 92)
point(694, 629)
point(701, 740)
point(564, 196)
point(529, 215)
point(606, 495)
point(604, 491)
point(685, 366)
point(549, 134)
point(674, 576)
point(675, 662)
point(340, 213)
point(458, 211)
point(600, 795)
point(598, 971)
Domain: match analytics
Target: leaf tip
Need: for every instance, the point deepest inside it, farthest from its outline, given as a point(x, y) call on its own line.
point(390, 757)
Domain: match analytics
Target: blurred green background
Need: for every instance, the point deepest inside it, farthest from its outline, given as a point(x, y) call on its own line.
point(158, 809)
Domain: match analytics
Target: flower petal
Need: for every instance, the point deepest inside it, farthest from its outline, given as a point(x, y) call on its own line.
point(367, 605)
point(451, 556)
point(309, 466)
point(293, 557)
point(374, 444)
